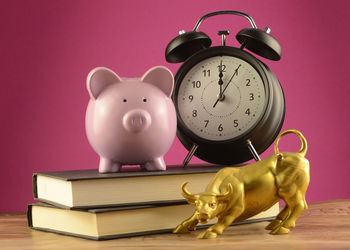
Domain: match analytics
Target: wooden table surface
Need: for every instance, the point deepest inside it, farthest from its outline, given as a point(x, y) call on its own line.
point(325, 225)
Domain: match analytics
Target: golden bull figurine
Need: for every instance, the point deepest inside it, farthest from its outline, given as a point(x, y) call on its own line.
point(237, 193)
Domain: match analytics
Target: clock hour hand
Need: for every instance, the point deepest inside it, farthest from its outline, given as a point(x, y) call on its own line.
point(235, 73)
point(221, 82)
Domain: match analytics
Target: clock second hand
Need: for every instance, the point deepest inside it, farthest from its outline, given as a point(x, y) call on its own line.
point(236, 73)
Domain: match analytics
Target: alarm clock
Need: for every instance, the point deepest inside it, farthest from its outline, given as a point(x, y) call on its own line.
point(230, 106)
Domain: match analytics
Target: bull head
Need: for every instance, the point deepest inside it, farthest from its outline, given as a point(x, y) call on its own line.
point(209, 205)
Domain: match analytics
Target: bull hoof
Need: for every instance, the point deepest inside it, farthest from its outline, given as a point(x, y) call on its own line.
point(180, 229)
point(273, 225)
point(280, 230)
point(207, 235)
point(289, 224)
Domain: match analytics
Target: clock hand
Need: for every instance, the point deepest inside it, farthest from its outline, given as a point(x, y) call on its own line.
point(236, 73)
point(221, 82)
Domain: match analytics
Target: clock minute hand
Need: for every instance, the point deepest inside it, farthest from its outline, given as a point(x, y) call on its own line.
point(235, 73)
point(221, 82)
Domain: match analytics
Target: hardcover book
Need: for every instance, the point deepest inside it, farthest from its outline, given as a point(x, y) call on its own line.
point(89, 188)
point(118, 222)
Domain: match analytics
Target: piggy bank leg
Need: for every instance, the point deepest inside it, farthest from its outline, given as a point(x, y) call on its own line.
point(107, 166)
point(155, 164)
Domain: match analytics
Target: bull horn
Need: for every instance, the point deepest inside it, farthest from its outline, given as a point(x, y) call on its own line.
point(227, 195)
point(185, 193)
point(303, 147)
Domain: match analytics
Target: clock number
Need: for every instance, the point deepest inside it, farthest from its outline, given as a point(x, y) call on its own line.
point(190, 97)
point(235, 123)
point(248, 83)
point(196, 84)
point(206, 123)
point(206, 73)
point(223, 68)
point(247, 111)
point(220, 128)
point(251, 96)
point(194, 113)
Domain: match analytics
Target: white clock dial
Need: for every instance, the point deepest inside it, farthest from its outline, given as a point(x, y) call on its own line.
point(241, 104)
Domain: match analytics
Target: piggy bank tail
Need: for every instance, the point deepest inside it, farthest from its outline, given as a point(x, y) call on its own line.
point(303, 147)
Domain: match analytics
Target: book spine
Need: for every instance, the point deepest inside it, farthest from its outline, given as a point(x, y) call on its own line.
point(29, 216)
point(35, 187)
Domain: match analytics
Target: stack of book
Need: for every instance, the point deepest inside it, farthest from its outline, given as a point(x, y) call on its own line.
point(87, 204)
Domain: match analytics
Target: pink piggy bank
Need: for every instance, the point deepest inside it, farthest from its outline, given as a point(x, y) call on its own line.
point(130, 121)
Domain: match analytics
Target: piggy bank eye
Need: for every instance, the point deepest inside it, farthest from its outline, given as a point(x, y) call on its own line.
point(144, 100)
point(124, 100)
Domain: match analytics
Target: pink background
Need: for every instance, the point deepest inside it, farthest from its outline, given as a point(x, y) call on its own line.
point(48, 48)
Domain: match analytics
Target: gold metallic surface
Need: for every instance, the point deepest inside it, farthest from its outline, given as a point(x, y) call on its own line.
point(237, 193)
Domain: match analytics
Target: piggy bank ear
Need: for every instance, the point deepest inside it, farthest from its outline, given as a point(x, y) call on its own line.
point(98, 79)
point(160, 77)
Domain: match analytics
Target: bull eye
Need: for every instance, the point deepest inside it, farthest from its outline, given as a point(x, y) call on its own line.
point(212, 205)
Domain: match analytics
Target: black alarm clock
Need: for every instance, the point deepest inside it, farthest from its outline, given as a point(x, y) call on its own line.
point(230, 106)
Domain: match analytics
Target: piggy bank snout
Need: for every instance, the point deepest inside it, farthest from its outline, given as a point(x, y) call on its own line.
point(136, 120)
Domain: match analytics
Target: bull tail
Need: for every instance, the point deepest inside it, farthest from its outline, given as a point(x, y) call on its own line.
point(303, 147)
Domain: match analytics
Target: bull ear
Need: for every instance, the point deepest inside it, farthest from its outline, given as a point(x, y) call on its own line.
point(191, 198)
point(227, 195)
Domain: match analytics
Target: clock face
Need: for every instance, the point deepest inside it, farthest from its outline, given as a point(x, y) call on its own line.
point(221, 98)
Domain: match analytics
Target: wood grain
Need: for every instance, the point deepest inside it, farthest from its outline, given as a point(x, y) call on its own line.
point(325, 225)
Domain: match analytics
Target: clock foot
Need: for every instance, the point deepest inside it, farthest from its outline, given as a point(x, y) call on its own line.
point(253, 151)
point(189, 155)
